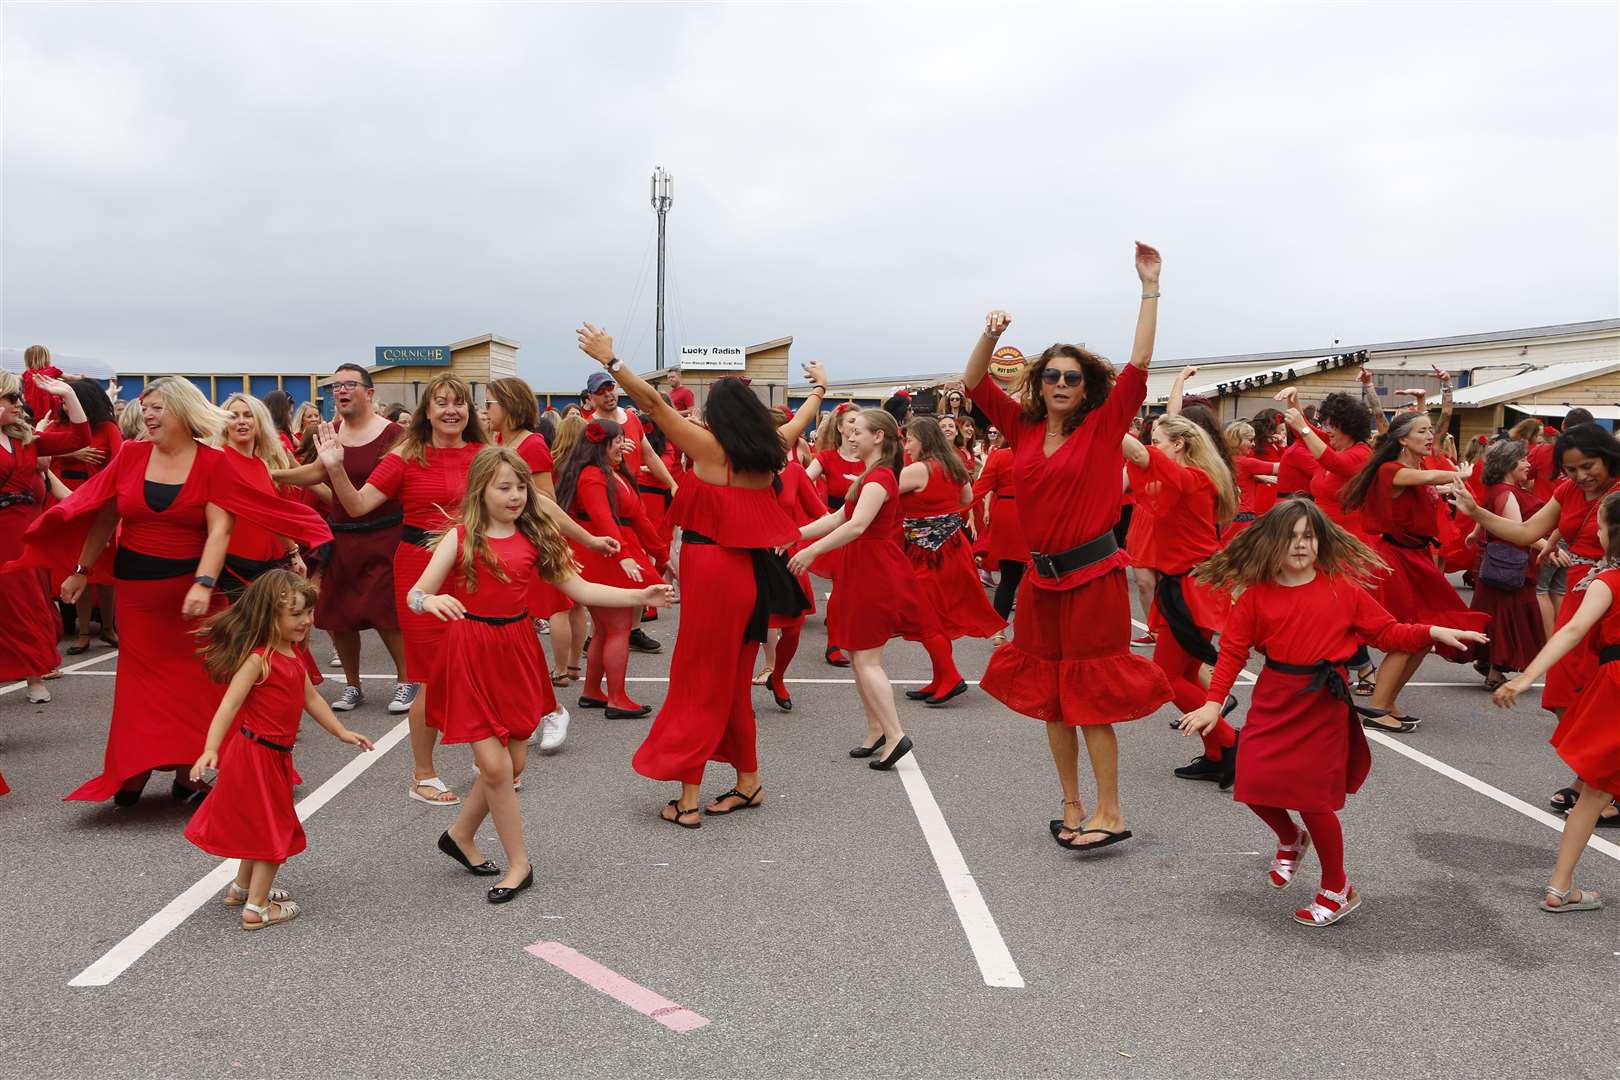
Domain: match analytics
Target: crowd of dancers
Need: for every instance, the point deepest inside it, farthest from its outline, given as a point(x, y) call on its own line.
point(208, 540)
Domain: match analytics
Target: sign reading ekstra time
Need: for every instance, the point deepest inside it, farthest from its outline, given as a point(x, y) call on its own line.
point(413, 355)
point(713, 358)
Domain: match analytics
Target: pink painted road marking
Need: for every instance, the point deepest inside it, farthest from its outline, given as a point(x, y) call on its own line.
point(677, 1018)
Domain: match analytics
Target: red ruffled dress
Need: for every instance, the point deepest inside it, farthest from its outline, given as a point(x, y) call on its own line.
point(163, 698)
point(545, 599)
point(1406, 521)
point(28, 645)
point(708, 714)
point(1517, 632)
point(106, 437)
point(494, 672)
point(1006, 533)
point(358, 592)
point(881, 599)
point(1070, 659)
point(1578, 527)
point(249, 814)
point(1587, 737)
point(946, 577)
point(1303, 747)
point(798, 499)
point(621, 520)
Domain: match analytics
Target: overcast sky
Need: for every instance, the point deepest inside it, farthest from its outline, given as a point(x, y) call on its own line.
point(283, 187)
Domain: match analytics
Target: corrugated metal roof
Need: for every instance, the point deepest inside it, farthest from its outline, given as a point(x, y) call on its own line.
point(1531, 382)
point(1534, 408)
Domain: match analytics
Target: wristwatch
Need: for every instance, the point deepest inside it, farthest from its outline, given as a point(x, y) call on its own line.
point(615, 364)
point(204, 580)
point(81, 570)
point(415, 599)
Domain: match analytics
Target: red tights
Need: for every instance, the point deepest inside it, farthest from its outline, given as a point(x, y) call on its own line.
point(1189, 690)
point(609, 655)
point(939, 655)
point(786, 645)
point(1326, 836)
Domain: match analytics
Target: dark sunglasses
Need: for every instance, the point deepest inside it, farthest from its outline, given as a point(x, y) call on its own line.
point(1051, 377)
point(15, 399)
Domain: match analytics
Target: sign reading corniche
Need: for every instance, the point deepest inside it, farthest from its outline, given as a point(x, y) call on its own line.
point(713, 358)
point(413, 355)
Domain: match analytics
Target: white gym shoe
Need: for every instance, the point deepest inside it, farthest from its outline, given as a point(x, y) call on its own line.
point(404, 695)
point(335, 662)
point(542, 626)
point(352, 696)
point(39, 695)
point(553, 730)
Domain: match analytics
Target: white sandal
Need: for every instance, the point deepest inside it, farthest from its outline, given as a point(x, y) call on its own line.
point(1319, 914)
point(763, 678)
point(1284, 868)
point(1589, 901)
point(437, 785)
point(236, 896)
point(285, 912)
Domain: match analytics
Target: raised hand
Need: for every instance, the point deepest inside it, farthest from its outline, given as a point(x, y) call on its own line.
point(1289, 394)
point(1295, 418)
point(1443, 376)
point(54, 387)
point(996, 323)
point(1364, 376)
point(595, 343)
point(1188, 372)
point(327, 447)
point(815, 373)
point(1148, 263)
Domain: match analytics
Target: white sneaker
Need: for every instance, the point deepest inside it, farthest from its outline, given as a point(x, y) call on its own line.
point(336, 661)
point(352, 696)
point(39, 695)
point(542, 626)
point(404, 695)
point(553, 730)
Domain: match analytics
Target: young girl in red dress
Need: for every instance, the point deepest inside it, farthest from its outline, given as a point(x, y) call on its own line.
point(1304, 606)
point(426, 472)
point(732, 580)
point(1517, 633)
point(1187, 490)
point(1398, 503)
point(601, 498)
point(935, 489)
point(259, 645)
point(494, 672)
point(833, 471)
point(1587, 737)
point(881, 599)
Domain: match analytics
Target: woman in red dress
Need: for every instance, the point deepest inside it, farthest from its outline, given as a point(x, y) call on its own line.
point(1303, 605)
point(74, 468)
point(260, 646)
point(1070, 663)
point(797, 496)
point(934, 490)
point(495, 673)
point(1587, 737)
point(881, 600)
point(280, 405)
point(833, 471)
point(732, 580)
point(255, 450)
point(426, 472)
point(1516, 630)
point(1004, 543)
point(28, 647)
point(598, 492)
point(172, 500)
point(1187, 489)
point(1396, 497)
point(1249, 473)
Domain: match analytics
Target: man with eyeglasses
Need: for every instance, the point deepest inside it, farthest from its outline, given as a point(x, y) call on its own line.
point(357, 590)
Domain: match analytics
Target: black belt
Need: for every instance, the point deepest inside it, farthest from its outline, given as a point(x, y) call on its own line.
point(1325, 675)
point(776, 590)
point(654, 489)
point(74, 474)
point(1172, 605)
point(369, 525)
point(262, 741)
point(835, 502)
point(131, 565)
point(1001, 497)
point(417, 537)
point(497, 620)
point(248, 571)
point(1413, 543)
point(16, 498)
point(1609, 654)
point(1091, 552)
point(690, 536)
point(1296, 495)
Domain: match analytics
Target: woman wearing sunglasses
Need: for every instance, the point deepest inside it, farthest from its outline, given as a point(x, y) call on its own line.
point(1070, 662)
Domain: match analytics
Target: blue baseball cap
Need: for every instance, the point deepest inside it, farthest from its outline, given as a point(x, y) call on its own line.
point(598, 380)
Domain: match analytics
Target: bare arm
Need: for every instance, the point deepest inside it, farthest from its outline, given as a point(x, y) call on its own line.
point(1177, 388)
point(978, 364)
point(235, 693)
point(871, 500)
point(1148, 264)
point(1541, 523)
point(913, 477)
point(1135, 452)
point(1445, 400)
point(1370, 399)
point(655, 464)
point(323, 715)
point(300, 475)
point(1567, 637)
point(1427, 477)
point(590, 594)
point(357, 503)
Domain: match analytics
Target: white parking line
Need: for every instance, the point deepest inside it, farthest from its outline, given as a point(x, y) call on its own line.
point(984, 937)
point(71, 669)
point(116, 960)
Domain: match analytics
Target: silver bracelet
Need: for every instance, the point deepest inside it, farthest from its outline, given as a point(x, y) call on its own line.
point(415, 599)
point(1150, 295)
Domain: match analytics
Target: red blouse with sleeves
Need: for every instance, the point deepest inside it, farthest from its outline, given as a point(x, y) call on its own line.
point(1338, 466)
point(798, 495)
point(1323, 619)
point(838, 473)
point(1297, 467)
point(629, 526)
point(1183, 502)
point(1074, 495)
point(430, 495)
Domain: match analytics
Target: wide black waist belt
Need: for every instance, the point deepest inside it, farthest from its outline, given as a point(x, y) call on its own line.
point(138, 566)
point(776, 590)
point(1296, 495)
point(74, 474)
point(410, 534)
point(1000, 498)
point(372, 525)
point(497, 620)
point(1609, 654)
point(16, 498)
point(654, 489)
point(1091, 552)
point(1325, 675)
point(248, 571)
point(1171, 603)
point(1412, 542)
point(262, 741)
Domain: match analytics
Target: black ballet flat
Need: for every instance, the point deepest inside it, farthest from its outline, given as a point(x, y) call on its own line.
point(186, 795)
point(448, 845)
point(591, 703)
point(939, 699)
point(783, 702)
point(499, 895)
point(623, 714)
point(921, 694)
point(868, 751)
point(901, 749)
point(127, 798)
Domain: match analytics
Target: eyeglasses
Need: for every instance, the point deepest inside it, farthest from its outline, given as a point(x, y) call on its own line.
point(13, 398)
point(1051, 377)
point(347, 384)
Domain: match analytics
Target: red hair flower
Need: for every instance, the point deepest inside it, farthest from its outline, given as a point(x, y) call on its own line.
point(595, 432)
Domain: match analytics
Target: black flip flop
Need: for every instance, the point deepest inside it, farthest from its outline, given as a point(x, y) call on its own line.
point(748, 802)
point(1057, 826)
point(1611, 822)
point(1109, 839)
point(1568, 794)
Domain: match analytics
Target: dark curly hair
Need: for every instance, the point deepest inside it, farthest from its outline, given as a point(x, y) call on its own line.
point(1592, 441)
point(1350, 417)
point(1099, 380)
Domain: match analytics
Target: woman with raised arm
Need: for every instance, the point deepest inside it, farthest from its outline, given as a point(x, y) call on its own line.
point(1070, 662)
point(732, 579)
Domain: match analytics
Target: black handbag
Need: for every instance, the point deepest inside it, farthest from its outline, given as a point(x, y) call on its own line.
point(1503, 566)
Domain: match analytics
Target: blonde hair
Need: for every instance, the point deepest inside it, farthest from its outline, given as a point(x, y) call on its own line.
point(36, 357)
point(419, 432)
point(204, 420)
point(891, 457)
point(1236, 434)
point(569, 429)
point(1202, 455)
point(266, 442)
point(829, 431)
point(18, 430)
point(129, 422)
point(554, 558)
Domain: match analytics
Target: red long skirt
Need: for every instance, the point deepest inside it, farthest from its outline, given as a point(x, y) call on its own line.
point(1415, 591)
point(1587, 737)
point(163, 699)
point(28, 644)
point(1299, 751)
point(1516, 630)
point(948, 581)
point(359, 588)
point(423, 634)
point(1070, 659)
point(708, 714)
point(249, 814)
point(496, 683)
point(1579, 666)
